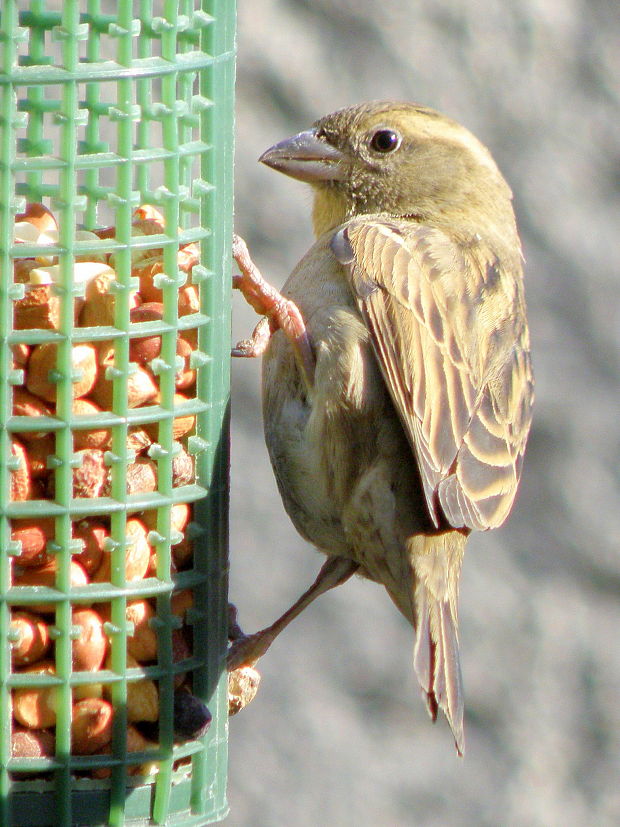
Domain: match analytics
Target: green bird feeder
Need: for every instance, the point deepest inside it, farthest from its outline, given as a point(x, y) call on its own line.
point(116, 145)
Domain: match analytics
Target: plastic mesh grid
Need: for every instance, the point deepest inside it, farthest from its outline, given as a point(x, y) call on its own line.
point(106, 106)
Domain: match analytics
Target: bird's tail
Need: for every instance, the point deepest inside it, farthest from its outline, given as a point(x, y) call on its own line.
point(437, 564)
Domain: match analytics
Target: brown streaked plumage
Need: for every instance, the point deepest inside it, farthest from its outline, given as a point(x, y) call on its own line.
point(397, 386)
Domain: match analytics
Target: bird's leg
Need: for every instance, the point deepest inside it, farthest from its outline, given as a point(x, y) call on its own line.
point(246, 650)
point(280, 312)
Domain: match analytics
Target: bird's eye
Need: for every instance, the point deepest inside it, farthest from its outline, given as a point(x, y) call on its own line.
point(385, 140)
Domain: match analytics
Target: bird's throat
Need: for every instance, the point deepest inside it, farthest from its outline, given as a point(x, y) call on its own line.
point(329, 209)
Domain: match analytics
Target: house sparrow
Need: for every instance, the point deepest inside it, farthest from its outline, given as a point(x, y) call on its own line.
point(397, 386)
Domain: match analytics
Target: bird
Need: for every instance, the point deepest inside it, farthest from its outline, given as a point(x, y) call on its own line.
point(397, 384)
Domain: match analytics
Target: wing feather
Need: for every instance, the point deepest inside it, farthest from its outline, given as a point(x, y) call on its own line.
point(448, 327)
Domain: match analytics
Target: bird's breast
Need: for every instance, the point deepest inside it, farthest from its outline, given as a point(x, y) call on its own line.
point(337, 448)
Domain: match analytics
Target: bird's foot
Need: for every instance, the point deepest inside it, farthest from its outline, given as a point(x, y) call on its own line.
point(281, 313)
point(256, 344)
point(247, 649)
point(244, 649)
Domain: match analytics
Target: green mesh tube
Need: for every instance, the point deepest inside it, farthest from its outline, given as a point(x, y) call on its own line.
point(105, 107)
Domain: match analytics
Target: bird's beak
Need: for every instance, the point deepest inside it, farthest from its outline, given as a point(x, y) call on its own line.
point(306, 157)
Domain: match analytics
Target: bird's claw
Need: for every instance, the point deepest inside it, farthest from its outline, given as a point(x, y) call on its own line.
point(244, 649)
point(280, 312)
point(256, 344)
point(234, 630)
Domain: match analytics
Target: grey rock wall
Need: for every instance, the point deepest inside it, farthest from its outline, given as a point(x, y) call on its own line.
point(338, 734)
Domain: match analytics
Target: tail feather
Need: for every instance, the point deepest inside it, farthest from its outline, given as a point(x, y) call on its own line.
point(423, 658)
point(436, 654)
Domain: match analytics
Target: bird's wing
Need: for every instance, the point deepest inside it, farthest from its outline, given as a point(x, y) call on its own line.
point(455, 360)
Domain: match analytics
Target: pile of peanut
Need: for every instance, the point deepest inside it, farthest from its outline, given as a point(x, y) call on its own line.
point(35, 564)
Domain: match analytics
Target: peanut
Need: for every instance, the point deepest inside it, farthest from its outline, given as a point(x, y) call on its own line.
point(40, 307)
point(182, 469)
point(142, 645)
point(142, 695)
point(137, 554)
point(181, 426)
point(21, 481)
point(33, 536)
point(39, 452)
point(92, 534)
point(39, 216)
point(180, 514)
point(35, 706)
point(141, 476)
point(21, 354)
point(89, 649)
point(27, 404)
point(186, 376)
point(99, 299)
point(46, 576)
point(33, 638)
point(91, 477)
point(31, 743)
point(141, 388)
point(91, 725)
point(145, 348)
point(94, 438)
point(242, 688)
point(43, 361)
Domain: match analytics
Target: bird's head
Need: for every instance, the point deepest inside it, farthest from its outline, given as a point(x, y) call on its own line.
point(400, 159)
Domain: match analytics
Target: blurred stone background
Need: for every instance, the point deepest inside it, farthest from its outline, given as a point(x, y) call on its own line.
point(338, 734)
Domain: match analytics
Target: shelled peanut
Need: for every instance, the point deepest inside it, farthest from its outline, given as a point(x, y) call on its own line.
point(34, 633)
